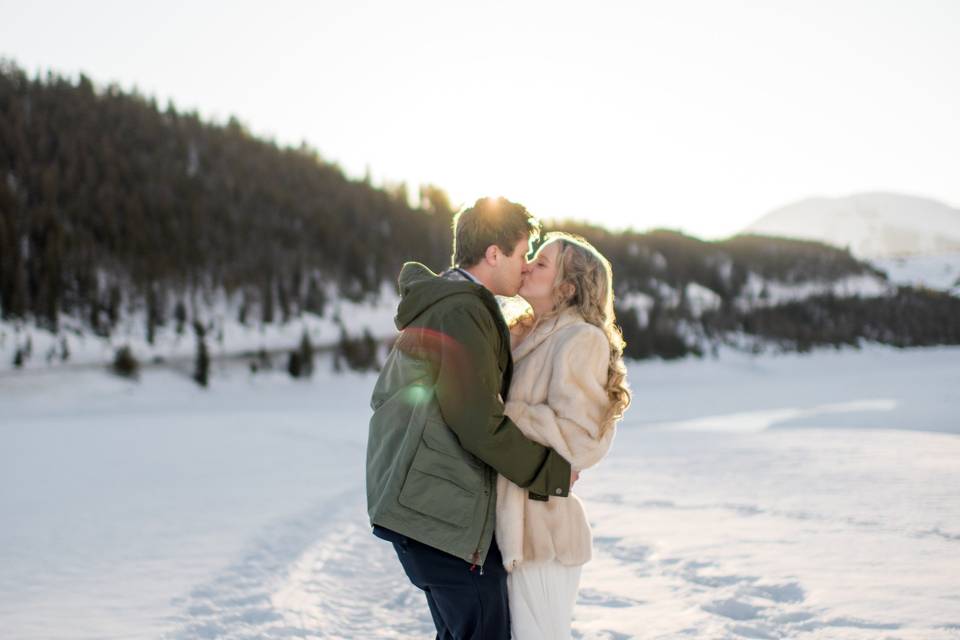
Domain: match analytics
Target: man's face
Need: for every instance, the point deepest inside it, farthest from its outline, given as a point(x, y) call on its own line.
point(510, 269)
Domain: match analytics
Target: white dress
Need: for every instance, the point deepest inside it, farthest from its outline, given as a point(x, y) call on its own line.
point(542, 595)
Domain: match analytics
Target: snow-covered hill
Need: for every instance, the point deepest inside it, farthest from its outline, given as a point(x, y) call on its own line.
point(695, 293)
point(74, 345)
point(941, 271)
point(872, 225)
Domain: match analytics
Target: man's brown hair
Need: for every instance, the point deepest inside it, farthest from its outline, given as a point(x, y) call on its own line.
point(490, 221)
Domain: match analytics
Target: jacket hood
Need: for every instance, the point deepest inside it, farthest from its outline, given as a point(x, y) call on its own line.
point(421, 288)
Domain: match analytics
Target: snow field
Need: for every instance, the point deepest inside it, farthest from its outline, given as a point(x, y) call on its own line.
point(774, 497)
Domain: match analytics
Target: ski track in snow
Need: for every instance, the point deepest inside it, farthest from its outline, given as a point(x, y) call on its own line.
point(745, 606)
point(344, 583)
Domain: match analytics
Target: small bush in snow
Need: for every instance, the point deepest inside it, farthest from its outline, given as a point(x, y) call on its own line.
point(125, 363)
point(300, 363)
point(360, 354)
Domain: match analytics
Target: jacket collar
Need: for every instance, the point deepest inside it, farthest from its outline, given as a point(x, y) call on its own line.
point(546, 329)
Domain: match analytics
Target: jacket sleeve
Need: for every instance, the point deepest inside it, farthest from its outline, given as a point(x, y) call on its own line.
point(468, 392)
point(570, 419)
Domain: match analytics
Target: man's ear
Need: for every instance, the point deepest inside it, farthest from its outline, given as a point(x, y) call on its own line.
point(492, 255)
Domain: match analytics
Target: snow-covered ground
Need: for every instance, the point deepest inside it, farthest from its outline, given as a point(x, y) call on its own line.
point(793, 496)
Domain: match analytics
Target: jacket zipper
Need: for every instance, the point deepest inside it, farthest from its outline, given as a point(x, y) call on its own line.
point(486, 515)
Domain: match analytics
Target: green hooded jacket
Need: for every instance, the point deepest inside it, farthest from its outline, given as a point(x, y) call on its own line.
point(438, 435)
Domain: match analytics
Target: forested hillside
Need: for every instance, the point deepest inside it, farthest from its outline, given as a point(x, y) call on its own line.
point(113, 207)
point(107, 198)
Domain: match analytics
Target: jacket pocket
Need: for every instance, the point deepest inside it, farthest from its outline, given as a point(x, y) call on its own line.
point(438, 498)
point(442, 485)
point(441, 439)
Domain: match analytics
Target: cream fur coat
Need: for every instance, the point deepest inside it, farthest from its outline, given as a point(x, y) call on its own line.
point(557, 398)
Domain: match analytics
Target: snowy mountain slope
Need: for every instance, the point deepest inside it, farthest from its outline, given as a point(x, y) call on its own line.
point(226, 335)
point(759, 292)
point(75, 347)
point(870, 224)
point(941, 271)
point(694, 293)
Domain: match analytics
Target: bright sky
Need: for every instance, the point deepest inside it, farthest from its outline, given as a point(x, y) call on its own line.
point(700, 116)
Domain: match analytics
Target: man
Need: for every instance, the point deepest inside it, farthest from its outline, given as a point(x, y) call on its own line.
point(438, 436)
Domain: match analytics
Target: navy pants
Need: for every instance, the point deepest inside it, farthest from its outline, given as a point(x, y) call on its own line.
point(465, 604)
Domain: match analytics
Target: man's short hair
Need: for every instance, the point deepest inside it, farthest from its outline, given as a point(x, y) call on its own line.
point(490, 221)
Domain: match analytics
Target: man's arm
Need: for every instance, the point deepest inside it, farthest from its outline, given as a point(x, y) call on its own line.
point(468, 391)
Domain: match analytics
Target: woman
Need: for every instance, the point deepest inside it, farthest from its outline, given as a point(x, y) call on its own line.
point(568, 391)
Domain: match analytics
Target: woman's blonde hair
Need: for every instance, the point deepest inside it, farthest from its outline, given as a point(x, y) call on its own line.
point(584, 281)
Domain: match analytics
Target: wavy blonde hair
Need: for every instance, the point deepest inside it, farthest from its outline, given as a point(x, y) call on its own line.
point(584, 281)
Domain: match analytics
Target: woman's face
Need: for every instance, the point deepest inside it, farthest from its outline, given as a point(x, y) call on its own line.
point(537, 284)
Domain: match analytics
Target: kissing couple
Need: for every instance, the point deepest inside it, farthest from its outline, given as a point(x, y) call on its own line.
point(481, 427)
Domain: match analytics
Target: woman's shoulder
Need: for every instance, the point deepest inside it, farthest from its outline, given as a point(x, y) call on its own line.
point(582, 334)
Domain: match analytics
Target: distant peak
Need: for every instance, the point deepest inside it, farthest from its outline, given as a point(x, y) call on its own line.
point(872, 224)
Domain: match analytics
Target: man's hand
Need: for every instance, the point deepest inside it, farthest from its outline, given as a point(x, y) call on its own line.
point(574, 476)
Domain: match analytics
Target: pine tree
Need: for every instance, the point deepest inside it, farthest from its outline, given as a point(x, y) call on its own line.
point(306, 355)
point(267, 302)
point(180, 315)
point(155, 312)
point(316, 300)
point(113, 306)
point(201, 371)
point(244, 309)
